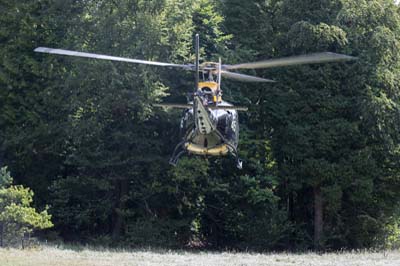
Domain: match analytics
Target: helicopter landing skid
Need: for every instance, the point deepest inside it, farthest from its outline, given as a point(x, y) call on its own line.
point(239, 163)
point(178, 152)
point(233, 150)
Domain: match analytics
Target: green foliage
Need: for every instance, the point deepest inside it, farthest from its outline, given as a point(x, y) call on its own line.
point(326, 123)
point(306, 37)
point(5, 177)
point(17, 217)
point(84, 136)
point(392, 236)
point(207, 22)
point(158, 233)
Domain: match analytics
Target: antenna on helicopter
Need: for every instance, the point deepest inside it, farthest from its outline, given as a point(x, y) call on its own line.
point(197, 45)
point(219, 73)
point(219, 92)
point(197, 62)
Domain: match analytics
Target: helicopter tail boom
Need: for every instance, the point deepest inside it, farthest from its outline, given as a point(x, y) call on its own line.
point(204, 121)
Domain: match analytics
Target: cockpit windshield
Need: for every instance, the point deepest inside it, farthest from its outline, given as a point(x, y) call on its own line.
point(207, 94)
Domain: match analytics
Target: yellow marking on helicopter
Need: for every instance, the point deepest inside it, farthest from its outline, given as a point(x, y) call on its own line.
point(210, 84)
point(217, 98)
point(199, 150)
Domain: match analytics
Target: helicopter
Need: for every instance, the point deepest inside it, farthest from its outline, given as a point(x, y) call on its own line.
point(210, 125)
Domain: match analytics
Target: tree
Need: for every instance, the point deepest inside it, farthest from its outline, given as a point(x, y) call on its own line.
point(320, 119)
point(33, 106)
point(321, 146)
point(17, 217)
point(115, 140)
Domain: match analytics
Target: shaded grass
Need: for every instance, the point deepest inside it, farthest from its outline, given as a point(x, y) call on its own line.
point(86, 256)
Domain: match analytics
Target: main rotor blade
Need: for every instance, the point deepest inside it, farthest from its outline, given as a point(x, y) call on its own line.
point(212, 107)
point(228, 107)
point(243, 77)
point(173, 105)
point(293, 60)
point(106, 57)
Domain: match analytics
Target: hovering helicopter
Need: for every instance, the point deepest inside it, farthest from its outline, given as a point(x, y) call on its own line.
point(210, 125)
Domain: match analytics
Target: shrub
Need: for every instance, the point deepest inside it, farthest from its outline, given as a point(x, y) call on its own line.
point(17, 217)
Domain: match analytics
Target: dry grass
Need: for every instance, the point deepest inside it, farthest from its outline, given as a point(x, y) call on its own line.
point(52, 256)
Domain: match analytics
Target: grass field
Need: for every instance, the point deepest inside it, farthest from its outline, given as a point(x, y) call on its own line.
point(52, 256)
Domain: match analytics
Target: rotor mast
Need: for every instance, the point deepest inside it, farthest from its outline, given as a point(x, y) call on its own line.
point(196, 80)
point(197, 45)
point(219, 73)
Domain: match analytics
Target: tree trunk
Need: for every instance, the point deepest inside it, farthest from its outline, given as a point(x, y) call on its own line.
point(118, 220)
point(290, 207)
point(318, 217)
point(1, 234)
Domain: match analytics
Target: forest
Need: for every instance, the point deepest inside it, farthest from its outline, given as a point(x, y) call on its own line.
point(83, 143)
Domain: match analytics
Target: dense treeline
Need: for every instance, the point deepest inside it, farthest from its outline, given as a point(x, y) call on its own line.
point(321, 147)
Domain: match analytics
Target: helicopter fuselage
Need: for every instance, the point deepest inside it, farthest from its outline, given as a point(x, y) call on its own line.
point(210, 132)
point(207, 130)
point(209, 125)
